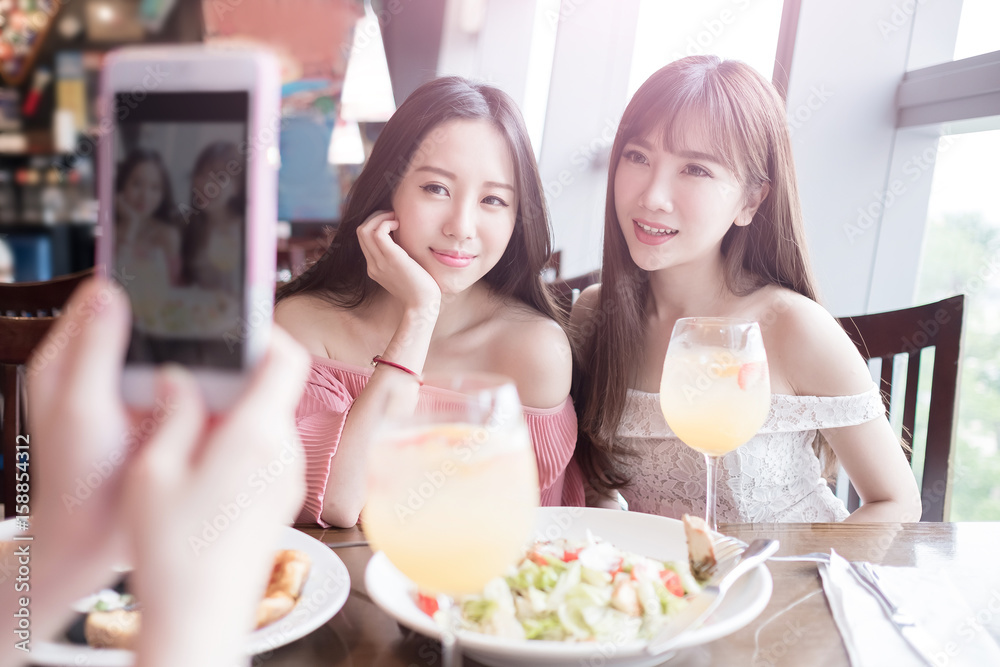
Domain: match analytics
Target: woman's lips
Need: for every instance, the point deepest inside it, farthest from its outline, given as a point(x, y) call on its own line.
point(457, 260)
point(643, 235)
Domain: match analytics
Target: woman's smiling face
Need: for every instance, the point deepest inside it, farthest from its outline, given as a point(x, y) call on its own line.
point(675, 205)
point(456, 204)
point(143, 190)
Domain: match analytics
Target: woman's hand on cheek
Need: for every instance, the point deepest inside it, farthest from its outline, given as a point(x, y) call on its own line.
point(392, 268)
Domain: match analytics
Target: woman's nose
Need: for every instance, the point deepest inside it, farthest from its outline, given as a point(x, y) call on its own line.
point(461, 224)
point(657, 195)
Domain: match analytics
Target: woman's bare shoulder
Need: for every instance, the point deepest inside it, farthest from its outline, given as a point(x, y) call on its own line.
point(534, 350)
point(815, 354)
point(308, 318)
point(585, 306)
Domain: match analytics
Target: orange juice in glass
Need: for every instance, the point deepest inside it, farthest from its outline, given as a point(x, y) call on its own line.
point(452, 493)
point(715, 391)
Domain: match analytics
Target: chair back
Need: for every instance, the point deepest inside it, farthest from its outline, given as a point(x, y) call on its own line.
point(909, 332)
point(27, 311)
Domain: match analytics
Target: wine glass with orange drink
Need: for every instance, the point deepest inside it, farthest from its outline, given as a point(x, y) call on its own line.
point(715, 391)
point(452, 491)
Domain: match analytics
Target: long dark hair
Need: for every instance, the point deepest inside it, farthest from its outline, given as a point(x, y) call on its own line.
point(167, 210)
point(196, 230)
point(744, 115)
point(340, 275)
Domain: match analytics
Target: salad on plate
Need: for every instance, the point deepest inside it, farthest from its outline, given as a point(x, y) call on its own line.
point(576, 591)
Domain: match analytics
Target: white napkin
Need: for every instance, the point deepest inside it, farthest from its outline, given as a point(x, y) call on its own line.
point(942, 614)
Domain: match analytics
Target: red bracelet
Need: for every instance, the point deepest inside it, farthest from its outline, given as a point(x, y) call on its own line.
point(377, 359)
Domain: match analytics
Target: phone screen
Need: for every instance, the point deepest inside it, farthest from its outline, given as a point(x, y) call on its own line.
point(179, 199)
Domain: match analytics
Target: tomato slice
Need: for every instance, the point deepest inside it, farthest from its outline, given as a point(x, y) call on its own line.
point(537, 558)
point(672, 581)
point(427, 604)
point(571, 554)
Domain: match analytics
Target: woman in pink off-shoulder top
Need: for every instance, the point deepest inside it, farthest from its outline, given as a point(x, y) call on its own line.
point(435, 267)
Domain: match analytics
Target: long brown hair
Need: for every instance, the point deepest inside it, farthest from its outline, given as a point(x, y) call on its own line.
point(745, 117)
point(340, 275)
point(214, 160)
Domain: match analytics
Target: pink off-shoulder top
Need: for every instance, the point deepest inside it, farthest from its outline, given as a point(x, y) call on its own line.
point(330, 392)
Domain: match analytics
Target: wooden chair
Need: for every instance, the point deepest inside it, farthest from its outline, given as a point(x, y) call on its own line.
point(27, 311)
point(909, 332)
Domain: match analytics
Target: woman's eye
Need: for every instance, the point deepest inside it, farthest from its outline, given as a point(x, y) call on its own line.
point(696, 170)
point(635, 156)
point(435, 189)
point(495, 201)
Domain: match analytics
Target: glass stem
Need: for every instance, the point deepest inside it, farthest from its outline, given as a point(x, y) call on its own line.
point(450, 655)
point(712, 466)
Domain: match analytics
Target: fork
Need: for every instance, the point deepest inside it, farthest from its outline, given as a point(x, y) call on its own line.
point(735, 561)
point(866, 575)
point(727, 552)
point(814, 557)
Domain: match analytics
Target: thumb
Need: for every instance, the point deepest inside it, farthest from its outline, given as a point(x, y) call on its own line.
point(178, 417)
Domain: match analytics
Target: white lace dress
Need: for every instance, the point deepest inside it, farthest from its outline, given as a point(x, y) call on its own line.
point(775, 477)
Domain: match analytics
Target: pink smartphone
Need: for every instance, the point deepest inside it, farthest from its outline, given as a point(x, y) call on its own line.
point(187, 163)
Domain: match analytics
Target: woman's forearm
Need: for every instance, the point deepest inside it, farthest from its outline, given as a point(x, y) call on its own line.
point(390, 391)
point(883, 511)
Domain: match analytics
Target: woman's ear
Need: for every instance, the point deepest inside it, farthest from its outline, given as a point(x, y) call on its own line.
point(754, 200)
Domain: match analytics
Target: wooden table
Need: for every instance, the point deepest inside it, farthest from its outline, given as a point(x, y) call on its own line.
point(796, 628)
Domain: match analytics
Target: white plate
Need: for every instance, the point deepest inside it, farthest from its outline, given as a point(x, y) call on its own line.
point(323, 595)
point(646, 534)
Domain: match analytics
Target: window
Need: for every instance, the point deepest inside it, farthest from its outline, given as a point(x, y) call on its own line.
point(737, 29)
point(961, 254)
point(978, 31)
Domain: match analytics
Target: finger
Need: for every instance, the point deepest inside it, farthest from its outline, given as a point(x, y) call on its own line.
point(372, 222)
point(375, 242)
point(180, 418)
point(85, 348)
point(96, 356)
point(278, 383)
point(383, 235)
point(262, 422)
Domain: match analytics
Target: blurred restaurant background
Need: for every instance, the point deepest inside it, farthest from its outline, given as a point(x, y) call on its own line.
point(893, 106)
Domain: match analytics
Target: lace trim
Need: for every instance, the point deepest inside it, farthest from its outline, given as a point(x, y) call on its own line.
point(788, 413)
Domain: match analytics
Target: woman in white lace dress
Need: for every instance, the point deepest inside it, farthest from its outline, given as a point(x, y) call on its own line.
point(703, 219)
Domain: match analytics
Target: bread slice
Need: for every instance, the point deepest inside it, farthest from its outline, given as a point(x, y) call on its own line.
point(701, 552)
point(118, 628)
point(291, 569)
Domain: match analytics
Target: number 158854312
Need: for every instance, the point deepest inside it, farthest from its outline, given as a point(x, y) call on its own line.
point(22, 479)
